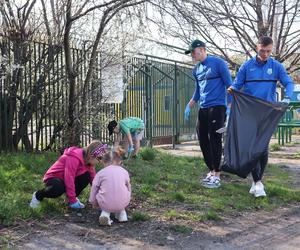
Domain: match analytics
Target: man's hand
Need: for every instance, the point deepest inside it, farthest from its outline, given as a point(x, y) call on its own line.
point(230, 90)
point(187, 112)
point(286, 100)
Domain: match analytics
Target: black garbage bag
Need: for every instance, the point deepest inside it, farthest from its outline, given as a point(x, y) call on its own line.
point(251, 124)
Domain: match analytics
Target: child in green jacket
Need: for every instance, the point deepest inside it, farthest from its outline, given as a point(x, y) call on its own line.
point(133, 130)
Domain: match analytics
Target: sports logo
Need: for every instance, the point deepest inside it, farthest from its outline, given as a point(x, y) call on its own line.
point(270, 71)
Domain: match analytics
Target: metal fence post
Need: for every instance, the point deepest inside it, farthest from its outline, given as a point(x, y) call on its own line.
point(175, 134)
point(149, 109)
point(125, 82)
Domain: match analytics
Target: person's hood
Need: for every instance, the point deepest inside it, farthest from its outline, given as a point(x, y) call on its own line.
point(75, 152)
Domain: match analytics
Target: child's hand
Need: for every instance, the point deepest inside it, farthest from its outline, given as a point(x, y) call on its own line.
point(130, 149)
point(77, 205)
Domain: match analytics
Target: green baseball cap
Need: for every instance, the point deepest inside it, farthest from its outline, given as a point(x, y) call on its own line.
point(195, 44)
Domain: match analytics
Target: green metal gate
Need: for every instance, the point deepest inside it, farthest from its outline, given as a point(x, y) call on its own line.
point(157, 91)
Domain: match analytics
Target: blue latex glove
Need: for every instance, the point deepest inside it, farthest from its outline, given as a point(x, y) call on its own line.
point(227, 111)
point(286, 100)
point(130, 149)
point(77, 205)
point(187, 112)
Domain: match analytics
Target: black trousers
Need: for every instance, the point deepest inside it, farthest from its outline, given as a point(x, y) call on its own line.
point(257, 173)
point(56, 187)
point(210, 120)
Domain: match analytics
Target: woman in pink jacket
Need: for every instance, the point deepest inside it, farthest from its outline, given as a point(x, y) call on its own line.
point(70, 174)
point(111, 190)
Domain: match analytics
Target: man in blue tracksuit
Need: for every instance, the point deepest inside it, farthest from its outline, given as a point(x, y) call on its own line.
point(212, 78)
point(258, 77)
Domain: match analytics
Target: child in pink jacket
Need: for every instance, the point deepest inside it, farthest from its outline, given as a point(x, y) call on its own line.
point(70, 174)
point(111, 190)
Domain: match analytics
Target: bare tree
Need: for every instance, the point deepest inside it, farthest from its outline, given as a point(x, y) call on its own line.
point(107, 11)
point(16, 30)
point(27, 71)
point(52, 27)
point(232, 27)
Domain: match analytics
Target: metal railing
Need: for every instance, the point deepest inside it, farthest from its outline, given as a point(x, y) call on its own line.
point(34, 97)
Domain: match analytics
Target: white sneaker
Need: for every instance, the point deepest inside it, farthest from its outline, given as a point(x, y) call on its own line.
point(122, 216)
point(259, 190)
point(208, 177)
point(252, 189)
point(34, 203)
point(104, 219)
point(215, 182)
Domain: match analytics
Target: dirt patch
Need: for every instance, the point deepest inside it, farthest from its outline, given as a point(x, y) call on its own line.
point(279, 229)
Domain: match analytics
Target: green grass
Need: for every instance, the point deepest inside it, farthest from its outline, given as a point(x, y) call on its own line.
point(180, 229)
point(212, 215)
point(172, 182)
point(291, 144)
point(139, 216)
point(4, 240)
point(148, 154)
point(179, 196)
point(165, 182)
point(172, 214)
point(275, 147)
point(20, 175)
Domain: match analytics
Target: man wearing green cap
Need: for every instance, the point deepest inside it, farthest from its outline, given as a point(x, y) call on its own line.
point(212, 78)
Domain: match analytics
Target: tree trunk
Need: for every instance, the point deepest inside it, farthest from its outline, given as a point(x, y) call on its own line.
point(73, 137)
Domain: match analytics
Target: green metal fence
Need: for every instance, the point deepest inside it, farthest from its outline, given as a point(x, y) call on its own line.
point(34, 94)
point(158, 92)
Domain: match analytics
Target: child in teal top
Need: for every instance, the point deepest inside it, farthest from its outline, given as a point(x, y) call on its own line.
point(133, 130)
